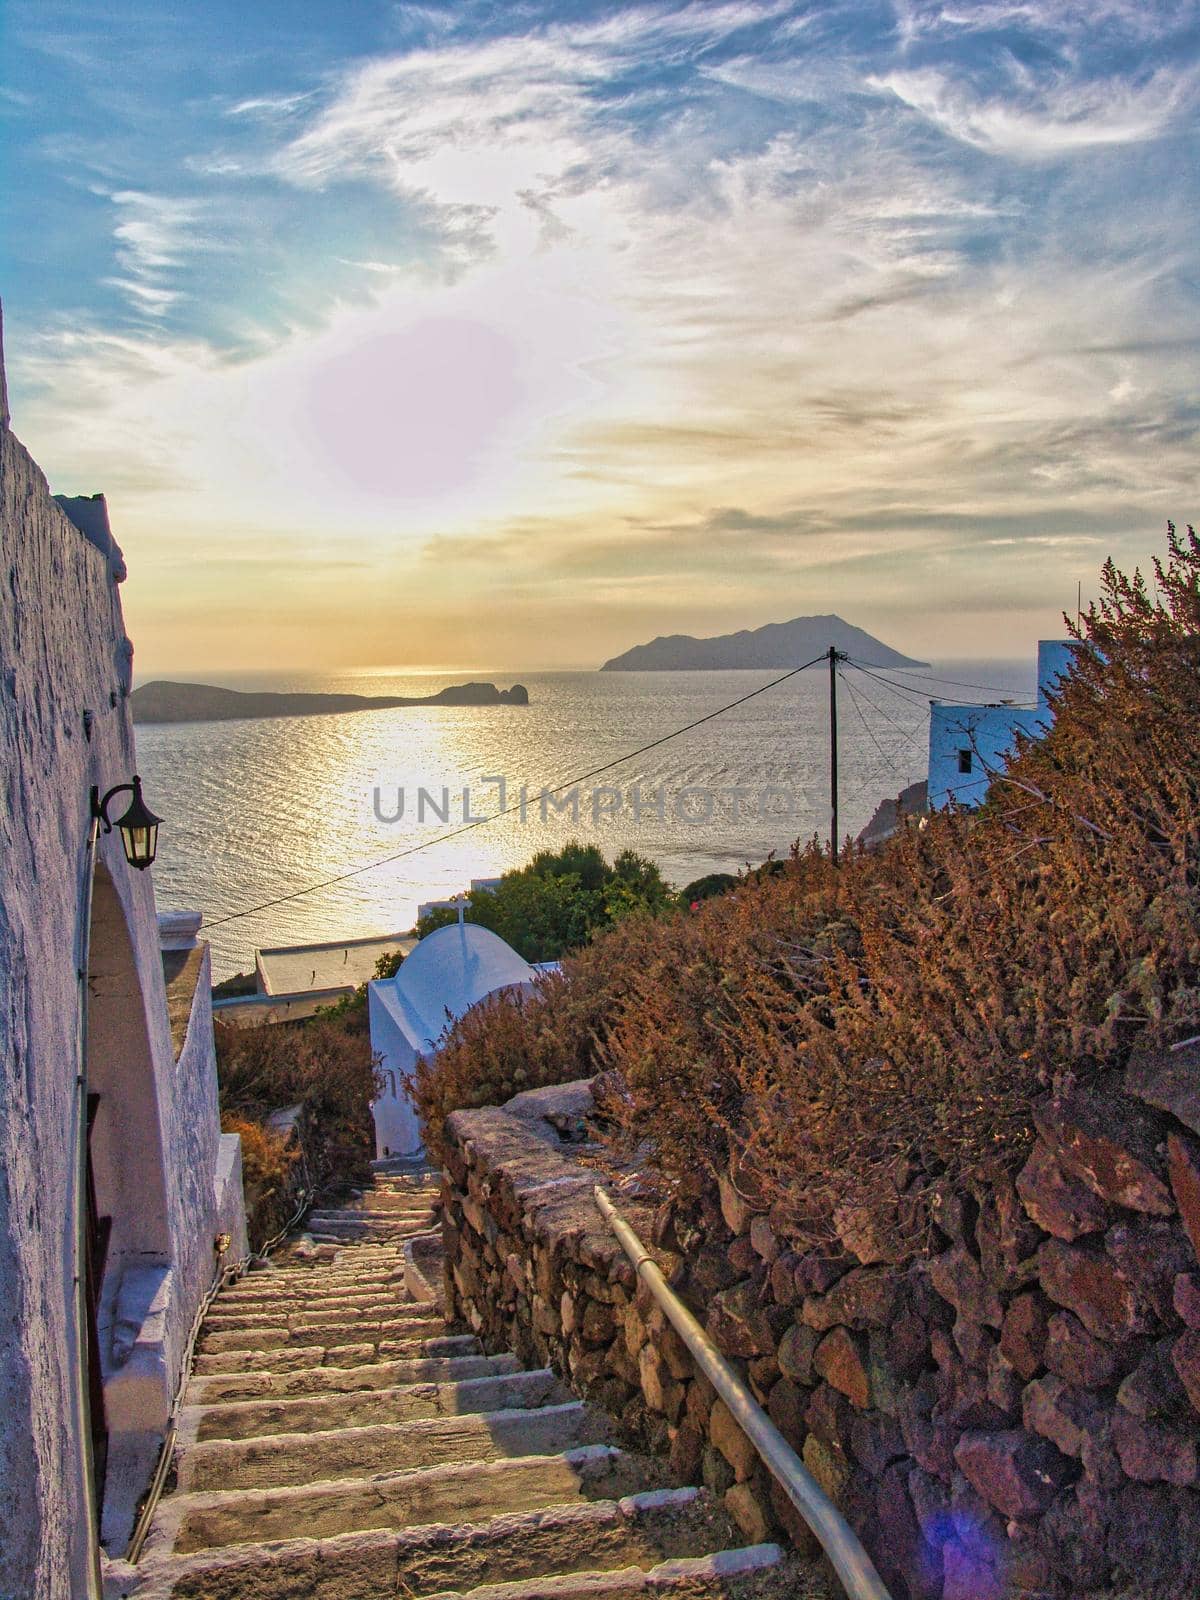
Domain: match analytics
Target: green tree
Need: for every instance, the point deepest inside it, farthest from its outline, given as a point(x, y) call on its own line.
point(560, 898)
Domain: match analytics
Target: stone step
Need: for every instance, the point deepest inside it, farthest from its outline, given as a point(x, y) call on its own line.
point(341, 1313)
point(381, 1276)
point(303, 1458)
point(287, 1294)
point(225, 1387)
point(641, 1530)
point(453, 1494)
point(295, 1357)
point(386, 1216)
point(396, 1330)
point(727, 1575)
point(253, 1419)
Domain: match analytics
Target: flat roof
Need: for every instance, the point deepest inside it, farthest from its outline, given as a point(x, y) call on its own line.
point(291, 969)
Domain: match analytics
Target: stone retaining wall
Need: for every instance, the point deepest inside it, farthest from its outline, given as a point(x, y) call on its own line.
point(1015, 1413)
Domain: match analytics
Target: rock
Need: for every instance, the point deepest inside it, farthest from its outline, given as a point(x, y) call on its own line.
point(737, 1322)
point(785, 1407)
point(1003, 1384)
point(1185, 1357)
point(745, 1505)
point(795, 1353)
point(1073, 1535)
point(687, 1452)
point(903, 1345)
point(716, 1472)
point(828, 1416)
point(785, 1291)
point(1007, 1239)
point(840, 1362)
point(900, 1553)
point(815, 1274)
point(973, 1342)
point(803, 1540)
point(1067, 1417)
point(1154, 1540)
point(1168, 1080)
point(1153, 1452)
point(762, 1238)
point(1075, 1355)
point(731, 1441)
point(827, 1464)
point(1149, 1256)
point(865, 1298)
point(1016, 1472)
point(742, 1256)
point(761, 1373)
point(1111, 1144)
point(661, 1392)
point(1153, 1388)
point(876, 1442)
point(733, 1207)
point(863, 1235)
point(1185, 1298)
point(1057, 1201)
point(1183, 1165)
point(959, 1279)
point(597, 1324)
point(967, 1574)
point(1023, 1334)
point(1086, 1282)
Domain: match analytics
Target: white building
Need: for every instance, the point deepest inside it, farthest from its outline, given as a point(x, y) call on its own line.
point(451, 970)
point(119, 1196)
point(969, 745)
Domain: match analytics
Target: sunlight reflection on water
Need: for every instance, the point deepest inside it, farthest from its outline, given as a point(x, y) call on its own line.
point(258, 809)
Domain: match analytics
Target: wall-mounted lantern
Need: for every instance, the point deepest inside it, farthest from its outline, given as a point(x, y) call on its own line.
point(138, 827)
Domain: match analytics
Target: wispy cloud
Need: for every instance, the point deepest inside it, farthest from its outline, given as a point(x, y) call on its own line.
point(1043, 120)
point(153, 235)
point(685, 316)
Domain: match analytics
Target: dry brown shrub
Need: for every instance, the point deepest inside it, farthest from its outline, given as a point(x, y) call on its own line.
point(324, 1064)
point(853, 1035)
point(267, 1158)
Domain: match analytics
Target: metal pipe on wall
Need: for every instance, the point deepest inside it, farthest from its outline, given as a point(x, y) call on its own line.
point(837, 1538)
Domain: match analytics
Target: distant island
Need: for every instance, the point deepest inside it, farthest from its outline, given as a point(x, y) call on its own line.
point(202, 702)
point(778, 644)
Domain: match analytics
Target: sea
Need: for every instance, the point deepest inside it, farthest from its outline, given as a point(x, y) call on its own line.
point(303, 829)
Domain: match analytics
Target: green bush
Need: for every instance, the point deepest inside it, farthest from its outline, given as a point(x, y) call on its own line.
point(560, 899)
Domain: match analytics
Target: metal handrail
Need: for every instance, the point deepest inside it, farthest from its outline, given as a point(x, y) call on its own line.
point(837, 1538)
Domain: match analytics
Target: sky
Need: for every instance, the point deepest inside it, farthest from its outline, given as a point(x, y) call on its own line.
point(513, 335)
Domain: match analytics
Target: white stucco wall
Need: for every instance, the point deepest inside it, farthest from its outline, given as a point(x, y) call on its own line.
point(65, 675)
point(988, 733)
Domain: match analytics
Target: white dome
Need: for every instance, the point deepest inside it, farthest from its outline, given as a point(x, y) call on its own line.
point(450, 970)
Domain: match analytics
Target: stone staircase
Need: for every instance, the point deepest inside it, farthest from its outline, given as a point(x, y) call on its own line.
point(336, 1443)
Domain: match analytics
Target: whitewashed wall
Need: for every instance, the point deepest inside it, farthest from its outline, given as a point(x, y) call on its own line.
point(65, 675)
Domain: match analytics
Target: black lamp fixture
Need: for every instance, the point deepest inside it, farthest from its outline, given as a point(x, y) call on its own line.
point(138, 827)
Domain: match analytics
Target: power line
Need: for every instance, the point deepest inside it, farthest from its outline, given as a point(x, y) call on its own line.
point(957, 683)
point(905, 732)
point(867, 729)
point(923, 698)
point(469, 827)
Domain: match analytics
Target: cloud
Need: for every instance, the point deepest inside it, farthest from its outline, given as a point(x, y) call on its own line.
point(664, 315)
point(1042, 121)
point(153, 235)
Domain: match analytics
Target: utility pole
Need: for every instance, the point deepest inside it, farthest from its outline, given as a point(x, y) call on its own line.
point(834, 658)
